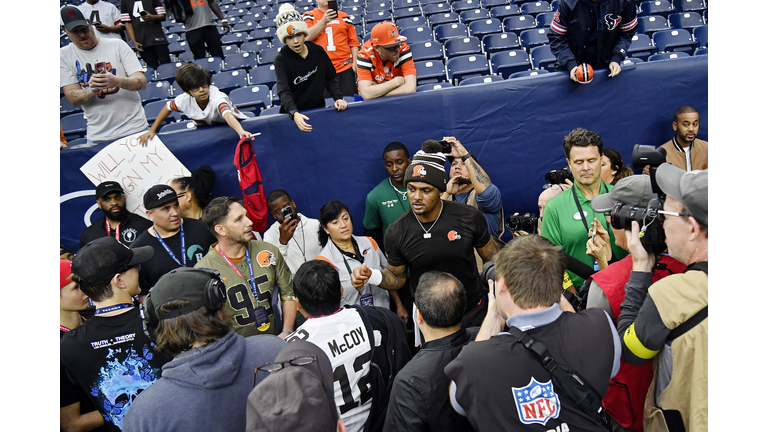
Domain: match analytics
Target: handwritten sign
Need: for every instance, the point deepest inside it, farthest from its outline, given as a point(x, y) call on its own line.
point(136, 168)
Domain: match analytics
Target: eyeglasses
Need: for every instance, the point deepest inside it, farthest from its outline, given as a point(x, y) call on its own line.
point(669, 213)
point(276, 366)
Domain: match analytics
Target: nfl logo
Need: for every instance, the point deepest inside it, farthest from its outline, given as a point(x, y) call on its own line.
point(536, 402)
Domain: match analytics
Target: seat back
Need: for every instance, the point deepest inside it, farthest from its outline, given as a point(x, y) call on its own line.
point(465, 66)
point(505, 63)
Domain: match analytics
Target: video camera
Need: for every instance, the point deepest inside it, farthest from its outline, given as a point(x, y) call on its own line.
point(651, 232)
point(558, 176)
point(527, 222)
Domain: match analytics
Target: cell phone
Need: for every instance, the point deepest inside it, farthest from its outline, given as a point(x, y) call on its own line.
point(333, 5)
point(101, 67)
point(142, 13)
point(287, 211)
point(446, 146)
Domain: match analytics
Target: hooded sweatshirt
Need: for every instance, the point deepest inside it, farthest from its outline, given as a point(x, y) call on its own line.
point(205, 388)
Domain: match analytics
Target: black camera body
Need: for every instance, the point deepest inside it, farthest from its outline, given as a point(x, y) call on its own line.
point(528, 222)
point(446, 146)
point(558, 176)
point(287, 211)
point(652, 233)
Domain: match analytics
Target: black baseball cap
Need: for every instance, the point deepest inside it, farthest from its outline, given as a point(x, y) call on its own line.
point(71, 17)
point(108, 187)
point(158, 195)
point(101, 259)
point(183, 283)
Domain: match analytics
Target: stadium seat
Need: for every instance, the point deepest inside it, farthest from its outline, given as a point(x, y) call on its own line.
point(378, 6)
point(655, 7)
point(435, 8)
point(544, 19)
point(429, 50)
point(229, 49)
point(467, 16)
point(377, 16)
point(678, 40)
point(641, 46)
point(433, 86)
point(484, 27)
point(77, 143)
point(243, 27)
point(500, 42)
point(429, 71)
point(266, 33)
point(505, 11)
point(689, 5)
point(253, 98)
point(480, 80)
point(429, 2)
point(264, 75)
point(66, 107)
point(443, 18)
point(212, 64)
point(444, 32)
point(651, 24)
point(534, 37)
point(330, 102)
point(529, 73)
point(275, 96)
point(461, 46)
point(466, 66)
point(701, 36)
point(542, 58)
point(411, 11)
point(230, 80)
point(505, 63)
point(156, 90)
point(398, 4)
point(177, 48)
point(489, 4)
point(237, 38)
point(180, 126)
point(667, 56)
point(273, 110)
point(518, 23)
point(152, 110)
point(701, 51)
point(186, 57)
point(73, 125)
point(631, 60)
point(535, 8)
point(705, 15)
point(267, 55)
point(167, 71)
point(149, 73)
point(462, 5)
point(254, 46)
point(685, 20)
point(242, 60)
point(417, 34)
point(414, 21)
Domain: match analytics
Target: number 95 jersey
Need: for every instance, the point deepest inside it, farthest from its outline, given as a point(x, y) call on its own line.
point(337, 38)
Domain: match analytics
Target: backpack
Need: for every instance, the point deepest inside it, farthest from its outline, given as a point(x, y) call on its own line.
point(249, 177)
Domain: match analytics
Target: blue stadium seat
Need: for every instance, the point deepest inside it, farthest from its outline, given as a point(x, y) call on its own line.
point(230, 80)
point(535, 8)
point(275, 96)
point(461, 46)
point(518, 23)
point(414, 21)
point(655, 7)
point(186, 57)
point(398, 4)
point(480, 80)
point(176, 89)
point(701, 35)
point(433, 86)
point(677, 40)
point(631, 60)
point(529, 73)
point(701, 51)
point(444, 32)
point(266, 33)
point(167, 71)
point(156, 90)
point(267, 55)
point(255, 46)
point(73, 125)
point(505, 63)
point(542, 58)
point(443, 18)
point(252, 98)
point(500, 42)
point(180, 126)
point(641, 46)
point(429, 71)
point(244, 27)
point(466, 66)
point(467, 16)
point(462, 5)
point(689, 5)
point(428, 2)
point(242, 60)
point(234, 38)
point(484, 27)
point(489, 4)
point(177, 48)
point(544, 19)
point(417, 34)
point(534, 37)
point(429, 50)
point(66, 107)
point(212, 64)
point(651, 24)
point(685, 20)
point(435, 8)
point(264, 75)
point(152, 110)
point(78, 143)
point(411, 11)
point(228, 49)
point(667, 56)
point(502, 12)
point(378, 6)
point(149, 73)
point(377, 16)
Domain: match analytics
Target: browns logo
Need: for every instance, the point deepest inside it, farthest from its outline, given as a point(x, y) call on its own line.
point(391, 33)
point(291, 30)
point(453, 235)
point(419, 171)
point(265, 258)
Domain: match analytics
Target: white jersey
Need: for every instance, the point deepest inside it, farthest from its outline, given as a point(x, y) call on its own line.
point(218, 104)
point(344, 339)
point(302, 247)
point(102, 12)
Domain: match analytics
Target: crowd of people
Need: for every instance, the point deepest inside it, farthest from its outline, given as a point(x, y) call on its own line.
point(185, 318)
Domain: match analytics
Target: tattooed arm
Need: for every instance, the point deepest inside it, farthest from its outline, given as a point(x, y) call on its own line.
point(488, 251)
point(478, 177)
point(392, 278)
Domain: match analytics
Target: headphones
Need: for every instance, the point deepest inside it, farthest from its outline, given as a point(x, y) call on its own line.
point(214, 296)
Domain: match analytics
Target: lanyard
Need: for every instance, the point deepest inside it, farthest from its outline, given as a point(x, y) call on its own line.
point(117, 229)
point(67, 329)
point(584, 220)
point(252, 281)
point(170, 252)
point(113, 308)
point(356, 257)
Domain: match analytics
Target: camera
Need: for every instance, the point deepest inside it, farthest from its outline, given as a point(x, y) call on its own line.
point(652, 233)
point(446, 146)
point(643, 155)
point(287, 211)
point(527, 222)
point(558, 176)
point(489, 272)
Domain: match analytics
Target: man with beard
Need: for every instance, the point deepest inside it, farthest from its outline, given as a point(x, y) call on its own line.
point(685, 150)
point(117, 222)
point(251, 271)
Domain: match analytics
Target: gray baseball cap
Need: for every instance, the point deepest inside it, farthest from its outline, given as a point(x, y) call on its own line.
point(634, 190)
point(71, 17)
point(690, 188)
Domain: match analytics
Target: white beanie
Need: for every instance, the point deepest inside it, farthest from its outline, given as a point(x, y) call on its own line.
point(289, 22)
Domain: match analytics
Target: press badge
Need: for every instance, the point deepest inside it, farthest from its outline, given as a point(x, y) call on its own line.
point(260, 316)
point(366, 300)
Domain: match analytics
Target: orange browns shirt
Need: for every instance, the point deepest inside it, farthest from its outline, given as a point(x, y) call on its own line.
point(344, 38)
point(371, 68)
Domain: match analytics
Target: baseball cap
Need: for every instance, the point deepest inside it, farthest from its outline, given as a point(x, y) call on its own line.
point(71, 17)
point(101, 259)
point(690, 188)
point(183, 283)
point(385, 33)
point(281, 401)
point(158, 195)
point(108, 187)
point(634, 190)
point(65, 269)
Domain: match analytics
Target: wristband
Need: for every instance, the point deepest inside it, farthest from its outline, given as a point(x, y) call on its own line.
point(467, 156)
point(291, 113)
point(285, 331)
point(375, 278)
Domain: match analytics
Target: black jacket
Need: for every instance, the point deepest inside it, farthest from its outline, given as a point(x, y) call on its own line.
point(301, 81)
point(596, 33)
point(419, 399)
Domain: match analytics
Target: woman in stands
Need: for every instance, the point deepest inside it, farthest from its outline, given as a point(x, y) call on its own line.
point(194, 192)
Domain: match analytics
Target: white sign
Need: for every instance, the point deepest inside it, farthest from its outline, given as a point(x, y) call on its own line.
point(136, 168)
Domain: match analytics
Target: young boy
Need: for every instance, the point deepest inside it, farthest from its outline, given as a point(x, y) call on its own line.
point(303, 70)
point(201, 102)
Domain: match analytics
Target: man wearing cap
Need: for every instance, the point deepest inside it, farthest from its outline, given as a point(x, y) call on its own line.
point(668, 318)
point(104, 17)
point(177, 242)
point(624, 400)
point(212, 371)
point(103, 76)
point(117, 222)
point(259, 285)
point(385, 64)
point(109, 356)
point(434, 235)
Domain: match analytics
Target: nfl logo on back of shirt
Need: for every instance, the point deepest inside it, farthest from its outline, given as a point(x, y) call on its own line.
point(536, 402)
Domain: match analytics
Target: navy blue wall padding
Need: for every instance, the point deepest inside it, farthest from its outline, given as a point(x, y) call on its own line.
point(514, 127)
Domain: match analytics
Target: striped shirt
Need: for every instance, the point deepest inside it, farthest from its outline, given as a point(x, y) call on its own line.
point(371, 68)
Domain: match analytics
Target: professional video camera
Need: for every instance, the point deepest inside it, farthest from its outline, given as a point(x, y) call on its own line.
point(528, 222)
point(622, 215)
point(558, 176)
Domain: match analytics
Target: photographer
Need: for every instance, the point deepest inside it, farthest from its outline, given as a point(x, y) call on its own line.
point(623, 401)
point(668, 318)
point(294, 234)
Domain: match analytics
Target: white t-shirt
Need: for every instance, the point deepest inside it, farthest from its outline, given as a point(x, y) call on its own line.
point(302, 247)
point(103, 12)
point(218, 104)
point(344, 339)
point(117, 112)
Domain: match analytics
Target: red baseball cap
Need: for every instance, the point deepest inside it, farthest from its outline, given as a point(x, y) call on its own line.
point(65, 269)
point(385, 33)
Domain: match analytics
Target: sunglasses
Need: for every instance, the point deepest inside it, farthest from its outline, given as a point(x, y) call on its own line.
point(392, 49)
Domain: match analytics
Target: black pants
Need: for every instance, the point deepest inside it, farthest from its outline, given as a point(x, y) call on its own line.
point(156, 55)
point(347, 84)
point(205, 38)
